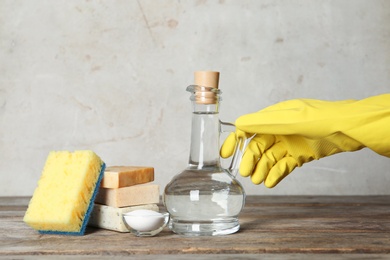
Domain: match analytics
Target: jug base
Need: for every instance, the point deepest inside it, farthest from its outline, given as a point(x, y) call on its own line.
point(204, 228)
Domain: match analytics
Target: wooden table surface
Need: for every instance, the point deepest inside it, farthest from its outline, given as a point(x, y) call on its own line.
point(276, 227)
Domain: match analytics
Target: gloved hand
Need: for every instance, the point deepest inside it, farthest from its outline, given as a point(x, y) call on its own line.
point(298, 131)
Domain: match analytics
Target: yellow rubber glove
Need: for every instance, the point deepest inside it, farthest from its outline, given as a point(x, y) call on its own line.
point(298, 131)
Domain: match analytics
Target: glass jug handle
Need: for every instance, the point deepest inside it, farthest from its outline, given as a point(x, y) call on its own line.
point(239, 149)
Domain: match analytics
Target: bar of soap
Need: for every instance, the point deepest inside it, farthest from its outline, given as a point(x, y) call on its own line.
point(107, 217)
point(124, 176)
point(129, 196)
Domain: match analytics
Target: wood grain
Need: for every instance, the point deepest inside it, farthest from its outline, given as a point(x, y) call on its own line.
point(276, 225)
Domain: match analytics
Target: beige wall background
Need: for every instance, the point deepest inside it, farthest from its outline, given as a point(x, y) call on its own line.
point(111, 76)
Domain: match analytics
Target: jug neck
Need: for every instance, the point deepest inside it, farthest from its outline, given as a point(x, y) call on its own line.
point(205, 131)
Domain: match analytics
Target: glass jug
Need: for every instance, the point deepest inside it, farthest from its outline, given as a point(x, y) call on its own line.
point(206, 199)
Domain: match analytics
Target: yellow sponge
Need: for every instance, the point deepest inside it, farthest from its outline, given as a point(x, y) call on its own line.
point(63, 200)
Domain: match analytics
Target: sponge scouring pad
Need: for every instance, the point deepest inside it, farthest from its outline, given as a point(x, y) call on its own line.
point(64, 198)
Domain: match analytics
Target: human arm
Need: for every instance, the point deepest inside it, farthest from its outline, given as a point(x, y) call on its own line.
point(294, 132)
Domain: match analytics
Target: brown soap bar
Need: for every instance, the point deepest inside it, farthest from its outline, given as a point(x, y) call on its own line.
point(124, 176)
point(129, 196)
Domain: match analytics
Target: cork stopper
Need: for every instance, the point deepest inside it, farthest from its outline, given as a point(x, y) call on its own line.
point(209, 79)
